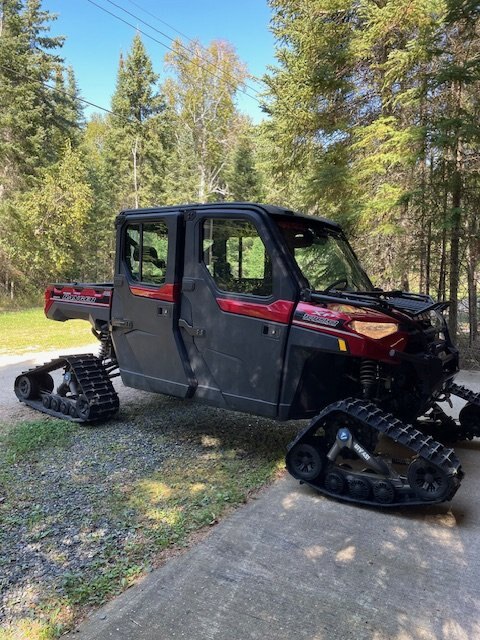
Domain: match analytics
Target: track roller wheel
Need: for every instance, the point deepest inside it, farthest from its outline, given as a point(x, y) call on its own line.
point(64, 407)
point(83, 408)
point(335, 482)
point(27, 388)
point(45, 382)
point(383, 491)
point(359, 488)
point(46, 401)
point(428, 481)
point(304, 461)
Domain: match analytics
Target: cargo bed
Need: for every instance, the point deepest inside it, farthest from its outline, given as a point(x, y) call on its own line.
point(79, 301)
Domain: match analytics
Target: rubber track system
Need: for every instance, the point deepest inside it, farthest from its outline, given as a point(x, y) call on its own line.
point(394, 490)
point(469, 417)
point(94, 390)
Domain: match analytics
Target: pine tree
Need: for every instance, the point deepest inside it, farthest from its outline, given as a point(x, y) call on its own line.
point(138, 140)
point(28, 61)
point(244, 182)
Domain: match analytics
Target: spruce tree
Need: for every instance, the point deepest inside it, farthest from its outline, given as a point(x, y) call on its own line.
point(28, 61)
point(138, 138)
point(244, 178)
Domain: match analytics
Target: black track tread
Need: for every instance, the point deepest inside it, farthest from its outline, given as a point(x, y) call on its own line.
point(421, 445)
point(462, 392)
point(444, 428)
point(94, 383)
point(463, 432)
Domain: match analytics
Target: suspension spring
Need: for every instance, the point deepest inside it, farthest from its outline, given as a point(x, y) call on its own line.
point(368, 376)
point(105, 346)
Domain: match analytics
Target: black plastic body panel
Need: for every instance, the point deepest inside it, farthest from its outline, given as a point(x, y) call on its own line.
point(237, 359)
point(149, 348)
point(314, 368)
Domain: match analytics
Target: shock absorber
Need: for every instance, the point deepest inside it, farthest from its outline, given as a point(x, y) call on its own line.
point(104, 350)
point(368, 376)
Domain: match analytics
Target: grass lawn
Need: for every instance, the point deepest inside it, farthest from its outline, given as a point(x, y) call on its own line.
point(29, 330)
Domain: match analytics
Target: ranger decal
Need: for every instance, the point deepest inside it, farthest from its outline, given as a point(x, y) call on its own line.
point(72, 297)
point(329, 322)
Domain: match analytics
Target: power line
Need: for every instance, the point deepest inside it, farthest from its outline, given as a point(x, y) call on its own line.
point(165, 35)
point(147, 35)
point(61, 92)
point(180, 33)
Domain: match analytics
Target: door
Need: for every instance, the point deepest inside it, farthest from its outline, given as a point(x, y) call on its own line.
point(145, 305)
point(237, 301)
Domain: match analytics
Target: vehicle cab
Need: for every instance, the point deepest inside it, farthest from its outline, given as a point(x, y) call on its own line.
point(206, 300)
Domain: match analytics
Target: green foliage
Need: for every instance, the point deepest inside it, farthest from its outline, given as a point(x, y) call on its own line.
point(137, 138)
point(244, 182)
point(50, 222)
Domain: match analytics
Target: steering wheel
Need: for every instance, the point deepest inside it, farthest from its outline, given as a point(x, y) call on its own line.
point(342, 281)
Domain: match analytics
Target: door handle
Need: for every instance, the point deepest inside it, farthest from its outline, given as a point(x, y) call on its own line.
point(192, 331)
point(122, 323)
point(271, 331)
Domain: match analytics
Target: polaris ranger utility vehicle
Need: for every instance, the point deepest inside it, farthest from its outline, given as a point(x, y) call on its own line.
point(257, 309)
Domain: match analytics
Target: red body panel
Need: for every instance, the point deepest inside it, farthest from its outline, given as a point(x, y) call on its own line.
point(85, 295)
point(278, 311)
point(167, 292)
point(337, 323)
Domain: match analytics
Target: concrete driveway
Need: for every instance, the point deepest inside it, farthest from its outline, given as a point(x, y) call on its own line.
point(292, 564)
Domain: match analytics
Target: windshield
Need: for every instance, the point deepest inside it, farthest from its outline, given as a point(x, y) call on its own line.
point(323, 256)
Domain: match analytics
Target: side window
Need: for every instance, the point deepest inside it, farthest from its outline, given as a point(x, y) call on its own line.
point(132, 250)
point(146, 251)
point(236, 257)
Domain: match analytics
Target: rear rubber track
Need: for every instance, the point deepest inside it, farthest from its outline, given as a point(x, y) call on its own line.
point(95, 390)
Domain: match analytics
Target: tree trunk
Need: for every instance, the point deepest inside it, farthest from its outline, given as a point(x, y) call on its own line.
point(428, 258)
point(135, 178)
point(442, 276)
point(456, 224)
point(473, 244)
point(454, 257)
point(472, 301)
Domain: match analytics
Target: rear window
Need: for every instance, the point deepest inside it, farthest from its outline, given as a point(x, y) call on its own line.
point(146, 252)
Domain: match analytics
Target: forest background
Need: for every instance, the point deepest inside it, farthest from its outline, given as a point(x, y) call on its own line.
point(371, 118)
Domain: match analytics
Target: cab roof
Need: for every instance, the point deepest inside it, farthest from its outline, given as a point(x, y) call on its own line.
point(269, 209)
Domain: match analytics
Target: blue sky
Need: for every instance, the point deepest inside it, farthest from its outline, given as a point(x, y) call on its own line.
point(94, 39)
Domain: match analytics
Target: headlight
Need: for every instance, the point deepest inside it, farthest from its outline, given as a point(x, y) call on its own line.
point(374, 330)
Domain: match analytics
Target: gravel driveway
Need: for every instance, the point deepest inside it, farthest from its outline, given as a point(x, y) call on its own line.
point(73, 521)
